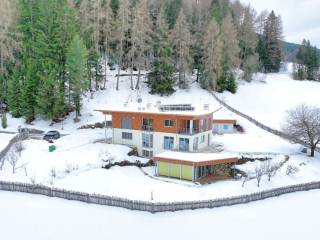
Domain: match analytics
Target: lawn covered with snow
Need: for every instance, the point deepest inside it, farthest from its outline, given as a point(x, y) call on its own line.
point(4, 139)
point(268, 97)
point(31, 217)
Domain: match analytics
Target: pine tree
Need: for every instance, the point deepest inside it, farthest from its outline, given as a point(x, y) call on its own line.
point(269, 46)
point(76, 66)
point(122, 33)
point(308, 61)
point(141, 38)
point(160, 78)
point(248, 40)
point(14, 94)
point(171, 12)
point(8, 42)
point(4, 121)
point(213, 53)
point(181, 44)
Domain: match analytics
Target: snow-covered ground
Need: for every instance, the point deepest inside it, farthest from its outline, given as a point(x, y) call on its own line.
point(78, 159)
point(268, 97)
point(4, 139)
point(32, 217)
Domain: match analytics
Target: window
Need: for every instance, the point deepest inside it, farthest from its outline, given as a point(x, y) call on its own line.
point(126, 135)
point(168, 123)
point(183, 144)
point(203, 138)
point(195, 144)
point(168, 143)
point(147, 153)
point(147, 124)
point(147, 140)
point(225, 127)
point(126, 123)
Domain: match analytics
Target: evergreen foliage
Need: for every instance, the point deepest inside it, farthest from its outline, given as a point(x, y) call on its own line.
point(76, 67)
point(160, 78)
point(308, 62)
point(4, 121)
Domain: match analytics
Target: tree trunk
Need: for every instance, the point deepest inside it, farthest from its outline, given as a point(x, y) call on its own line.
point(131, 77)
point(138, 80)
point(118, 77)
point(105, 71)
point(312, 151)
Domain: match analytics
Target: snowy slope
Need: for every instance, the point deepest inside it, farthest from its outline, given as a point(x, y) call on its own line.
point(268, 97)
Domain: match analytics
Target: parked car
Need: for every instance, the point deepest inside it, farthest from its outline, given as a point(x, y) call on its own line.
point(51, 135)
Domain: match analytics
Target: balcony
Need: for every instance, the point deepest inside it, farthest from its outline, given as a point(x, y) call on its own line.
point(147, 128)
point(188, 131)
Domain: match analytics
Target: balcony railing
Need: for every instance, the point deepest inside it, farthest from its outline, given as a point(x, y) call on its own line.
point(188, 131)
point(147, 128)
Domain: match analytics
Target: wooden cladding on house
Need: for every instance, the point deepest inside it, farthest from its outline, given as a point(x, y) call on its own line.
point(160, 122)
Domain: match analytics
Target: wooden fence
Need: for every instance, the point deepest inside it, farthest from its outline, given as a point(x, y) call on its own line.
point(152, 207)
point(261, 125)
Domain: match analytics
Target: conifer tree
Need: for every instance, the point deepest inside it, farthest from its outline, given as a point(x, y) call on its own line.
point(14, 94)
point(160, 77)
point(213, 52)
point(141, 38)
point(269, 47)
point(181, 41)
point(76, 66)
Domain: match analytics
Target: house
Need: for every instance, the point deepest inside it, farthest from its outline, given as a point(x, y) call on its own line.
point(153, 130)
point(194, 166)
point(223, 123)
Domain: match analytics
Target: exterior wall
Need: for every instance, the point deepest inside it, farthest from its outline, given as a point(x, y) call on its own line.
point(158, 121)
point(218, 128)
point(136, 138)
point(158, 140)
point(174, 170)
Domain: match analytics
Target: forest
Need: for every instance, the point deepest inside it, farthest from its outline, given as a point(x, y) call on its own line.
point(54, 51)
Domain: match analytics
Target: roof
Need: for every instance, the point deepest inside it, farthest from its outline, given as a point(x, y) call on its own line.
point(196, 159)
point(224, 121)
point(198, 111)
point(224, 117)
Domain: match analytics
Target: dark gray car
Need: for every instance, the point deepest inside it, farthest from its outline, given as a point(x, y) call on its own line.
point(51, 135)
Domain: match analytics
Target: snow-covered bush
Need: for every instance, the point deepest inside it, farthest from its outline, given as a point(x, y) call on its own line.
point(291, 170)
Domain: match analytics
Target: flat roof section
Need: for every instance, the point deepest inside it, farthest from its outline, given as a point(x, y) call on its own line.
point(196, 159)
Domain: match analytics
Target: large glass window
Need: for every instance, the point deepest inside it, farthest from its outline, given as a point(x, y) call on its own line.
point(147, 153)
point(126, 135)
point(126, 123)
point(183, 144)
point(147, 140)
point(225, 127)
point(168, 143)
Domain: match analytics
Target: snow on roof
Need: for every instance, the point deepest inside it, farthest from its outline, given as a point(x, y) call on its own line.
point(223, 114)
point(149, 108)
point(195, 157)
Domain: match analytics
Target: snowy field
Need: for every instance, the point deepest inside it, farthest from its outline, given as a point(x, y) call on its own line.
point(32, 217)
point(76, 164)
point(268, 97)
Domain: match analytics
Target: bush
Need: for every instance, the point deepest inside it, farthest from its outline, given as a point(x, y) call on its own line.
point(4, 122)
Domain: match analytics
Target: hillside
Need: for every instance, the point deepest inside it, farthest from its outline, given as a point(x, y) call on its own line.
point(290, 50)
point(269, 96)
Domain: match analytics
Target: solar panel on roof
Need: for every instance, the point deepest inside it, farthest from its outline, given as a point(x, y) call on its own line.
point(176, 107)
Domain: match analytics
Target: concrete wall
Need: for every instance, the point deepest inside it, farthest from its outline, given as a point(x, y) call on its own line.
point(158, 140)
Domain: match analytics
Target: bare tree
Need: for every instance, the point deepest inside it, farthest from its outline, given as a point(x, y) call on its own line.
point(12, 159)
point(303, 124)
point(291, 170)
point(259, 172)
